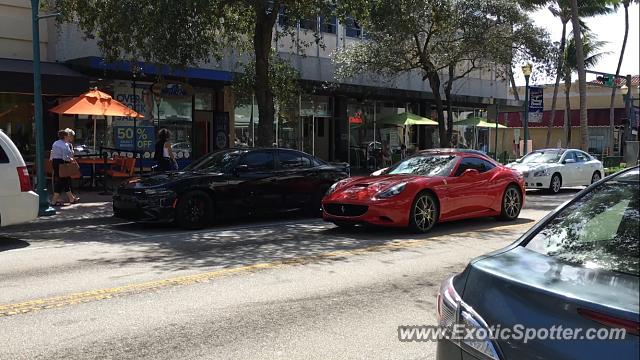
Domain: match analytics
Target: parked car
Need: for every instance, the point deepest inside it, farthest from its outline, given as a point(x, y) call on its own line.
point(577, 268)
point(181, 146)
point(430, 187)
point(18, 203)
point(82, 150)
point(231, 182)
point(553, 169)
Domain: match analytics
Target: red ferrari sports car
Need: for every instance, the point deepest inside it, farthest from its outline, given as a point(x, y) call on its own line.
point(432, 186)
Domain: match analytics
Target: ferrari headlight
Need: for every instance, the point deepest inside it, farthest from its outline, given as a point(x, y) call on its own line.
point(544, 172)
point(334, 187)
point(392, 191)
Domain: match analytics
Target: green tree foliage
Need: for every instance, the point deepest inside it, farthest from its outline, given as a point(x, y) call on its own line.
point(181, 33)
point(590, 50)
point(434, 36)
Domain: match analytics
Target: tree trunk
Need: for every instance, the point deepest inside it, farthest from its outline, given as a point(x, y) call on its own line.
point(582, 76)
point(559, 72)
point(613, 90)
point(262, 37)
point(566, 143)
point(447, 94)
point(434, 82)
point(514, 87)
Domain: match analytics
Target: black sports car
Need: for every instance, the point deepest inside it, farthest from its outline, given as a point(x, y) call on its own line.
point(231, 182)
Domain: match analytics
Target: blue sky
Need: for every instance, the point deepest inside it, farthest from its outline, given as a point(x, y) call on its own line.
point(608, 28)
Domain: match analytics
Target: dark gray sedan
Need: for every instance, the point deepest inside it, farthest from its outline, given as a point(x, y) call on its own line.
point(567, 289)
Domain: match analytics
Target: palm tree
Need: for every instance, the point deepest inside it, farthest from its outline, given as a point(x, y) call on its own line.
point(590, 48)
point(582, 75)
point(626, 4)
point(561, 9)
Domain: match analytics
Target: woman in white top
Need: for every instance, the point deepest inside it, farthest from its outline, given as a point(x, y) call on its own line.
point(60, 154)
point(69, 140)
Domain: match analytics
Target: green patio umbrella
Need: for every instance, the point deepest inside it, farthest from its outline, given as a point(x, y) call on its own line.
point(407, 118)
point(478, 122)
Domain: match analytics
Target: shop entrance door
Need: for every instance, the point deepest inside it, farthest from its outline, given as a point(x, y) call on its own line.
point(316, 136)
point(202, 129)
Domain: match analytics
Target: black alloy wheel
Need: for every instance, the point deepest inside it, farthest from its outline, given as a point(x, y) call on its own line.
point(194, 210)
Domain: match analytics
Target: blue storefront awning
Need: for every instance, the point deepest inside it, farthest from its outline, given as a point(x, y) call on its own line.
point(100, 64)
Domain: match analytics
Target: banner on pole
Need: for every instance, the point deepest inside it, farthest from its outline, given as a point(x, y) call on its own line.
point(536, 104)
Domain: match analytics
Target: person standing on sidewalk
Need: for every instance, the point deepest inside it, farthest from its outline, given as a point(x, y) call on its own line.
point(164, 157)
point(69, 140)
point(61, 154)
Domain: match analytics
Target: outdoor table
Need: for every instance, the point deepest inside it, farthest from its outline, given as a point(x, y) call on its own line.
point(93, 161)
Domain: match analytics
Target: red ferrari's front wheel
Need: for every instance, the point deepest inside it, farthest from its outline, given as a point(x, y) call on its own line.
point(424, 212)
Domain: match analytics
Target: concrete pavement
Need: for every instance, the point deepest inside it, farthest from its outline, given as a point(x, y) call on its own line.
point(267, 288)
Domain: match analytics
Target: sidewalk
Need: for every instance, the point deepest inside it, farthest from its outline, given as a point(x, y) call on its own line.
point(92, 206)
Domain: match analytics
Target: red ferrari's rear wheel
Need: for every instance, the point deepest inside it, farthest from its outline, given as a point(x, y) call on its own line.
point(424, 212)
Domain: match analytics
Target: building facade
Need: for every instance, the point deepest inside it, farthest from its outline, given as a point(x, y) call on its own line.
point(198, 104)
point(598, 101)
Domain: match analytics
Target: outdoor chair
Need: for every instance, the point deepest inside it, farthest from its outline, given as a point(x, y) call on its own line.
point(124, 168)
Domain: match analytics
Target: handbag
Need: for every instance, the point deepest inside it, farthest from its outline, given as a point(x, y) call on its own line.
point(69, 170)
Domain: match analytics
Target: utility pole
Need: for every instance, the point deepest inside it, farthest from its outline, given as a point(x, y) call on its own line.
point(44, 209)
point(526, 71)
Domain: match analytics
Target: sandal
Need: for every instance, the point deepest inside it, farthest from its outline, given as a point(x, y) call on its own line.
point(75, 201)
point(57, 204)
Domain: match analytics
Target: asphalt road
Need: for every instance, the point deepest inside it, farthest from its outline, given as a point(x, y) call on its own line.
point(288, 287)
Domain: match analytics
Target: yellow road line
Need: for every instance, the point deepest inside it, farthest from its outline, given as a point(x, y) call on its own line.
point(102, 294)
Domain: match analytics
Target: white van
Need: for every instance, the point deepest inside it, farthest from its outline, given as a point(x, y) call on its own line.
point(18, 203)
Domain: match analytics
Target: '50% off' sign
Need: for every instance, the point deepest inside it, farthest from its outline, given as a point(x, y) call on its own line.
point(124, 137)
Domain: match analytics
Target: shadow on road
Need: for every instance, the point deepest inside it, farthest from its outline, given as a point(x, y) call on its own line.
point(8, 243)
point(222, 248)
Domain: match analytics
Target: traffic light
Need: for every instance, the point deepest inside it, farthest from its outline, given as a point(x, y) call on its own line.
point(607, 80)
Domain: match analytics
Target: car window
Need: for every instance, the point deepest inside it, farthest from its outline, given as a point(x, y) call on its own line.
point(425, 165)
point(474, 163)
point(308, 162)
point(220, 161)
point(581, 157)
point(259, 160)
point(543, 156)
point(292, 160)
point(598, 231)
point(571, 155)
point(4, 159)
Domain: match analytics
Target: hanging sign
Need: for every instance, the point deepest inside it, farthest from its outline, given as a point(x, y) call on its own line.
point(536, 104)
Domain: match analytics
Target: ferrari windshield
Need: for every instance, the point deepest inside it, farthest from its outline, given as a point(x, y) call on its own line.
point(425, 165)
point(218, 162)
point(543, 157)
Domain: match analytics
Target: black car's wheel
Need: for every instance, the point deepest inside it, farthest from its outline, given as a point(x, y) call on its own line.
point(511, 203)
point(344, 224)
point(194, 210)
point(314, 208)
point(596, 177)
point(424, 212)
point(556, 184)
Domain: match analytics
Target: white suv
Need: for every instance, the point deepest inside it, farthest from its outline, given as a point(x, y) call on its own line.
point(18, 204)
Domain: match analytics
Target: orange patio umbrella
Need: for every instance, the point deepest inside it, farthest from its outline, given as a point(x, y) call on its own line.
point(95, 103)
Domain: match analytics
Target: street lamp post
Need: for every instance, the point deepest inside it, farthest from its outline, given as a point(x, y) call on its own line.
point(628, 105)
point(526, 71)
point(44, 209)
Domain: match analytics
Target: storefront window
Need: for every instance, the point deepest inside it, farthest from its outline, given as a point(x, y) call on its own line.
point(16, 120)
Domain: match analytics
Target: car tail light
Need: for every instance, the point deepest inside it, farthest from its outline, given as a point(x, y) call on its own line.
point(453, 312)
point(23, 177)
point(611, 321)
